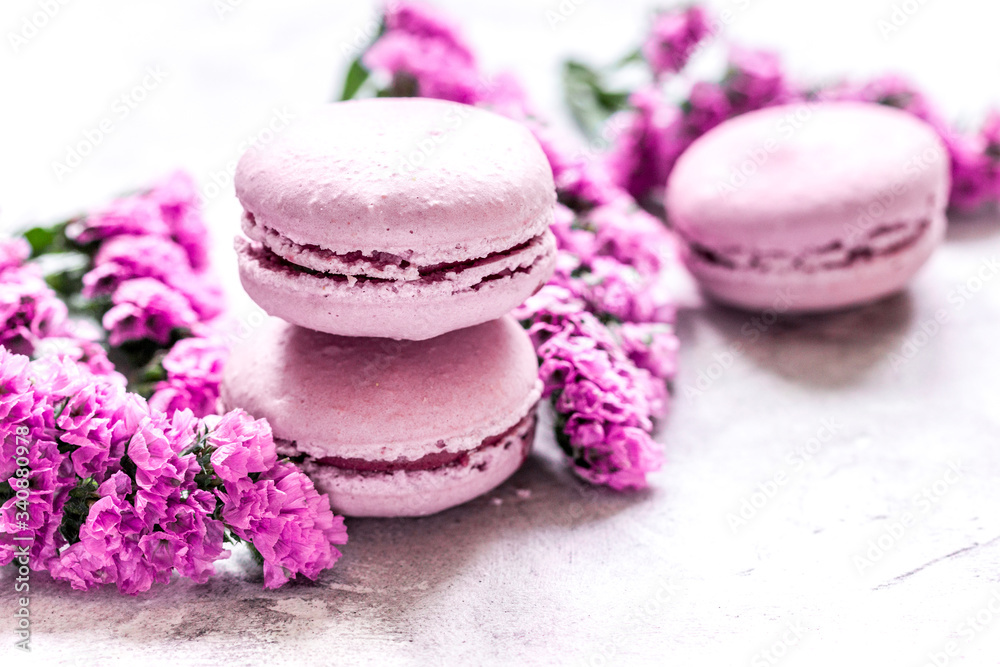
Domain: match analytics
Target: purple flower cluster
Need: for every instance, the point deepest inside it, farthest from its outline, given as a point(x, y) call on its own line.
point(612, 260)
point(193, 369)
point(151, 258)
point(652, 139)
point(603, 332)
point(117, 493)
point(29, 310)
point(272, 505)
point(602, 327)
point(656, 131)
point(675, 34)
point(605, 317)
point(755, 80)
point(423, 55)
point(605, 403)
point(34, 320)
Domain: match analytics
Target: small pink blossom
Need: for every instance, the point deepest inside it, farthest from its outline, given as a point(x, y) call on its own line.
point(145, 308)
point(675, 35)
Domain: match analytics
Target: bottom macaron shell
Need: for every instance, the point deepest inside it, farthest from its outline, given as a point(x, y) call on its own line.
point(384, 309)
point(419, 493)
point(858, 283)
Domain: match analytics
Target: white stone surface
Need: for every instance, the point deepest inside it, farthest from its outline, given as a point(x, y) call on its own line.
point(566, 574)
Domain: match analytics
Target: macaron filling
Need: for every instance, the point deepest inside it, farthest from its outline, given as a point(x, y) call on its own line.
point(520, 434)
point(880, 241)
point(278, 252)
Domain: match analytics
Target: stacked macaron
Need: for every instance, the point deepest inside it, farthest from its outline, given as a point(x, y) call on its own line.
point(392, 237)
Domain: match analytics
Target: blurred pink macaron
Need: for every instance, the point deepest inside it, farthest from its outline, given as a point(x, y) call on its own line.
point(403, 218)
point(810, 207)
point(393, 428)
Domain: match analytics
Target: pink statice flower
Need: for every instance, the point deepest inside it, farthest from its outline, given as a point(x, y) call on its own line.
point(29, 392)
point(605, 404)
point(652, 139)
point(80, 345)
point(890, 90)
point(191, 540)
point(30, 311)
point(652, 346)
point(145, 308)
point(613, 261)
point(675, 35)
point(425, 68)
point(127, 257)
point(755, 80)
point(194, 371)
point(272, 506)
point(972, 183)
point(423, 54)
point(13, 253)
point(135, 215)
point(128, 496)
point(242, 446)
point(707, 106)
point(93, 421)
point(130, 256)
point(975, 165)
point(170, 209)
point(177, 198)
point(633, 237)
point(423, 21)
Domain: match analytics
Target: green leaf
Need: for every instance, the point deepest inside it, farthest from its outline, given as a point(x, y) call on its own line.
point(40, 239)
point(357, 74)
point(589, 100)
point(77, 508)
point(634, 57)
point(49, 240)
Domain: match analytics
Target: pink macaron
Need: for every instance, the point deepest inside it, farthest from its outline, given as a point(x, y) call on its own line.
point(402, 218)
point(393, 428)
point(810, 207)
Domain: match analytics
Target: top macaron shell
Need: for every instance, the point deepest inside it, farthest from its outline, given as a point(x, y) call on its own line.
point(425, 180)
point(384, 400)
point(810, 207)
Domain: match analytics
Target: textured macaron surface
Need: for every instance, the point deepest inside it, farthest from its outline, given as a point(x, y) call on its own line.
point(381, 400)
point(809, 186)
point(380, 187)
